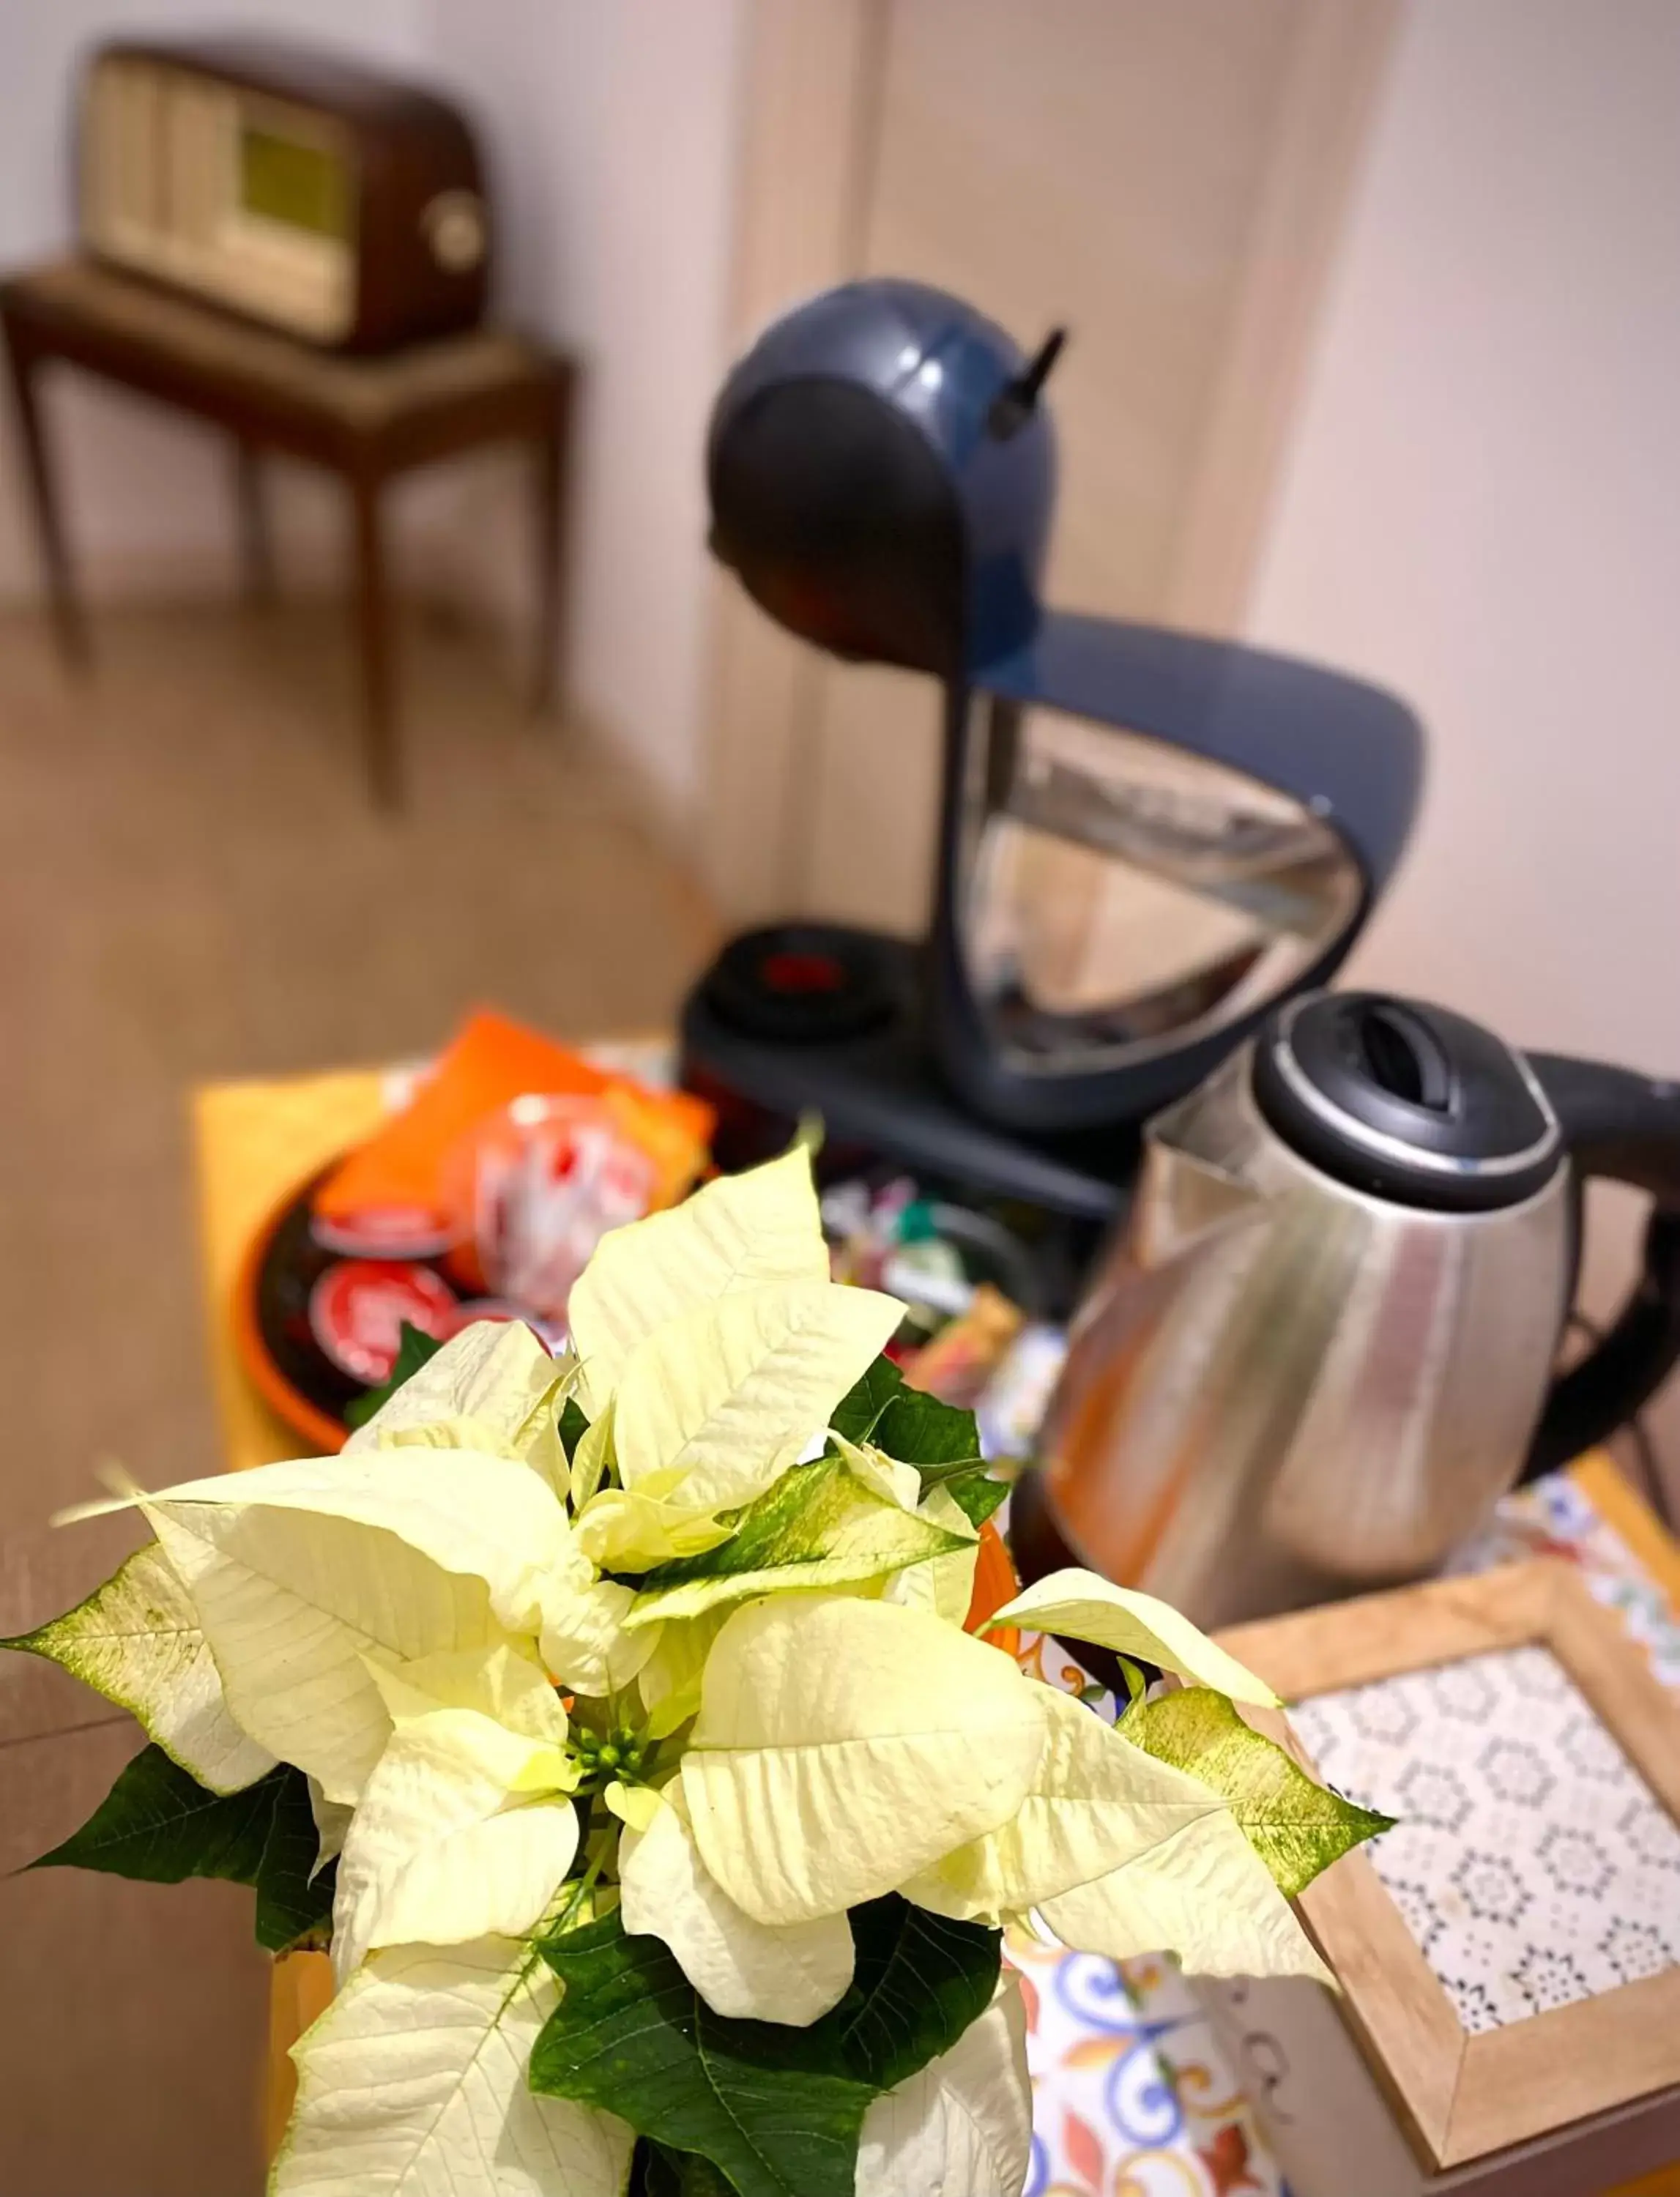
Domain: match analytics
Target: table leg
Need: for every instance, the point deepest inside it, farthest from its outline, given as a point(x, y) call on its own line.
point(547, 459)
point(255, 542)
point(373, 640)
point(69, 628)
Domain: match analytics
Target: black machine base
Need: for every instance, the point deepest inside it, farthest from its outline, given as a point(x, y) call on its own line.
point(818, 1019)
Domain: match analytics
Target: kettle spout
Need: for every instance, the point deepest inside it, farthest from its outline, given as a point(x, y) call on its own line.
point(1184, 1199)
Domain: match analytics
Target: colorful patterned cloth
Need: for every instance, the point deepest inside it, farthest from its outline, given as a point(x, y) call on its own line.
point(1132, 2095)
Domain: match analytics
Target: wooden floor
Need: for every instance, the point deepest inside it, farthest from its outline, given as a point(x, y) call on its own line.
point(192, 885)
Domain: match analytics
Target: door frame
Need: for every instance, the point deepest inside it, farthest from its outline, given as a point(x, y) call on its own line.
point(814, 76)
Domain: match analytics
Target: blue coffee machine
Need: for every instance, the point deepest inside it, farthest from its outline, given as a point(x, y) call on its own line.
point(1145, 840)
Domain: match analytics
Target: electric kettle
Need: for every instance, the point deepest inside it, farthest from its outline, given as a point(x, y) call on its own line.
point(1326, 1342)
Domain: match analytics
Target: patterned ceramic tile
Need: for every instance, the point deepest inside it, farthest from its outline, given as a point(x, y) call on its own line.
point(1532, 1864)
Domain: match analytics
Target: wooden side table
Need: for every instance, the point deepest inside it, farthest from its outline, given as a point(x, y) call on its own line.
point(366, 420)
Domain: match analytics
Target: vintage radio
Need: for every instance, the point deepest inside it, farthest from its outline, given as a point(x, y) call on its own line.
point(292, 187)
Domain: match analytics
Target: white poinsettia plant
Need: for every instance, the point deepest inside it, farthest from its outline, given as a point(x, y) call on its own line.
point(614, 1721)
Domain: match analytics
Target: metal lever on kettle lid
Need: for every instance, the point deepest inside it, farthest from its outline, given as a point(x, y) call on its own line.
point(1623, 1127)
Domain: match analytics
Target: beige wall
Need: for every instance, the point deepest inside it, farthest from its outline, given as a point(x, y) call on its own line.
point(1482, 507)
point(611, 133)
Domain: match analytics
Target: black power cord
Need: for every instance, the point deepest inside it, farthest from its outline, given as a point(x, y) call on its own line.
point(1639, 1437)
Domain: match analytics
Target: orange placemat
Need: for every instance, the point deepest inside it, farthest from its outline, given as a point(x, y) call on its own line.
point(254, 1141)
point(1619, 1504)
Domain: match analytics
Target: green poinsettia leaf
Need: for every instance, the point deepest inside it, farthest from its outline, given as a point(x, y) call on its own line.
point(918, 1429)
point(573, 1426)
point(771, 2107)
point(775, 2110)
point(819, 1526)
point(975, 1493)
point(160, 1825)
point(657, 2171)
point(907, 1424)
point(291, 1905)
point(918, 1982)
point(859, 1410)
point(1296, 1827)
point(413, 1350)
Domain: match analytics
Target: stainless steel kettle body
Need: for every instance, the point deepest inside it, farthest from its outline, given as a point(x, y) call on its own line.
point(1321, 1350)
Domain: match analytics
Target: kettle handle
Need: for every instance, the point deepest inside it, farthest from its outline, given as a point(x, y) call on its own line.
point(1624, 1126)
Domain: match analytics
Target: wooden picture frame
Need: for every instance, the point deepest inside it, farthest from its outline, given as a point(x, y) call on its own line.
point(1460, 2097)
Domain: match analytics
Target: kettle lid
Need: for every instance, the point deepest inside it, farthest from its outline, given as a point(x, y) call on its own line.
point(1405, 1100)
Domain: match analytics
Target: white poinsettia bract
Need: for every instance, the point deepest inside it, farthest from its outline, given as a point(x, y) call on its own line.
point(615, 1720)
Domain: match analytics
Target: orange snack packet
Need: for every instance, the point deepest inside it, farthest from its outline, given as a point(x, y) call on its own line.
point(491, 1061)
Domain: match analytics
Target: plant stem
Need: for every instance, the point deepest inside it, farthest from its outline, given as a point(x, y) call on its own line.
point(586, 1883)
point(581, 1890)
